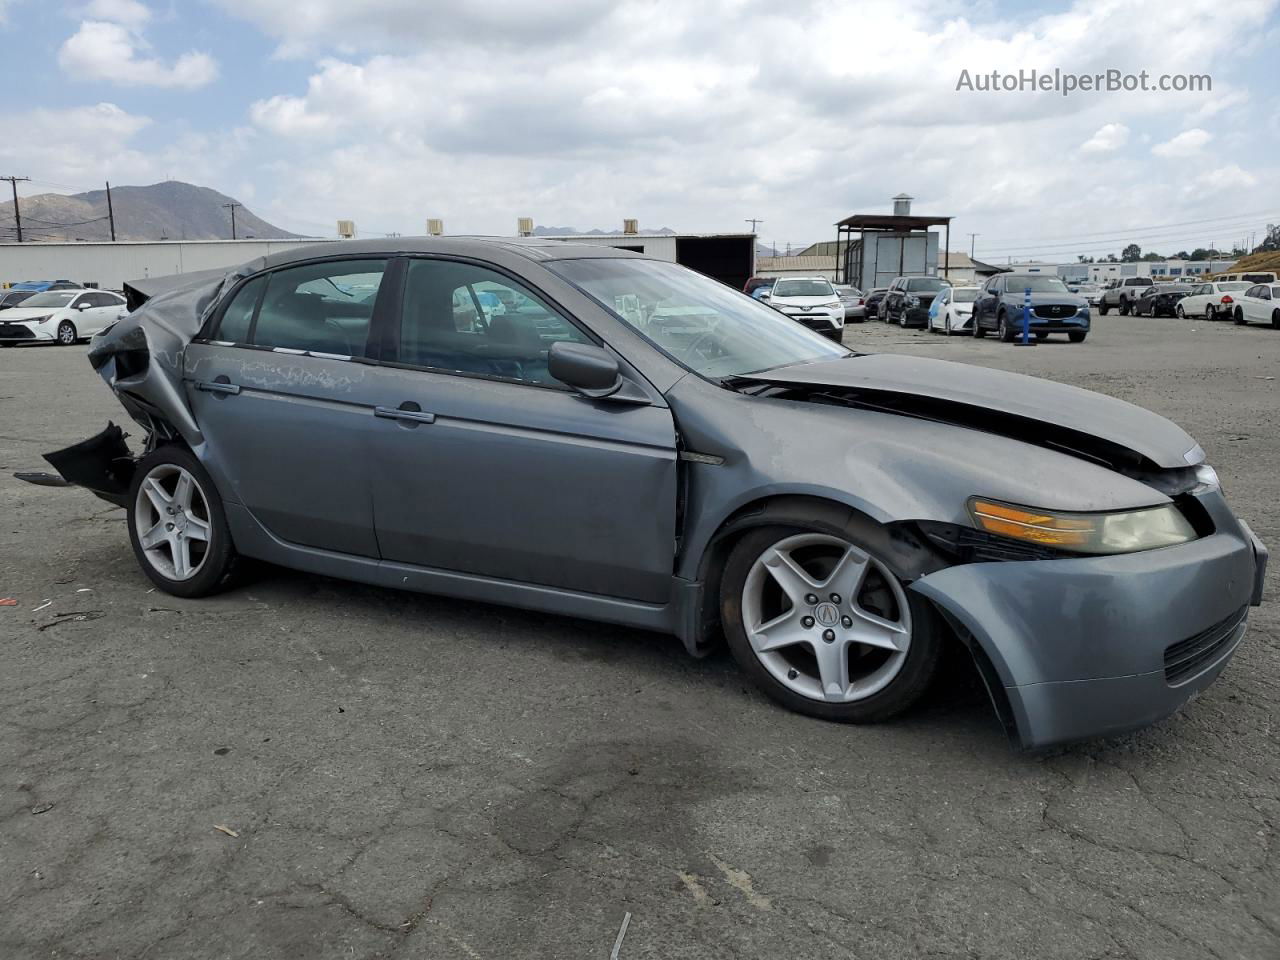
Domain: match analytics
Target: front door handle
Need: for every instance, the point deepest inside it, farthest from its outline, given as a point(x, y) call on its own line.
point(218, 386)
point(407, 412)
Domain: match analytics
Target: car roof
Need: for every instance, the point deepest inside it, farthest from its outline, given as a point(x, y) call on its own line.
point(532, 248)
point(804, 278)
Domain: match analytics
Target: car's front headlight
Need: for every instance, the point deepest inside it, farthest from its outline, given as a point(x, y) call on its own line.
point(1091, 533)
point(913, 301)
point(44, 319)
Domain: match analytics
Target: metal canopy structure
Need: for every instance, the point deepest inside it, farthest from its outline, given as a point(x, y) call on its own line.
point(862, 223)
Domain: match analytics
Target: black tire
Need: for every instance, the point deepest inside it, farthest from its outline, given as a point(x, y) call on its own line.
point(220, 559)
point(8, 345)
point(1006, 333)
point(1103, 307)
point(1180, 313)
point(979, 331)
point(67, 335)
point(1042, 335)
point(1210, 313)
point(1275, 319)
point(1238, 317)
point(1077, 336)
point(903, 691)
point(1125, 308)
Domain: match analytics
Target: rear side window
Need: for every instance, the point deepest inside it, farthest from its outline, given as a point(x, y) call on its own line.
point(319, 307)
point(238, 316)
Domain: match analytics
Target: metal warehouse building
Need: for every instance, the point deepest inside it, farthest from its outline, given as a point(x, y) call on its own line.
point(109, 265)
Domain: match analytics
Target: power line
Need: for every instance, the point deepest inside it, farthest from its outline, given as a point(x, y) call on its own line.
point(753, 221)
point(17, 215)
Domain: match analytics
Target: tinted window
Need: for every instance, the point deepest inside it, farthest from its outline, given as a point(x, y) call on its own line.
point(469, 319)
point(239, 313)
point(924, 285)
point(802, 288)
point(321, 307)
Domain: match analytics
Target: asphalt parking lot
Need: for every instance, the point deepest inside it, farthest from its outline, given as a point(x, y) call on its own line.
point(420, 777)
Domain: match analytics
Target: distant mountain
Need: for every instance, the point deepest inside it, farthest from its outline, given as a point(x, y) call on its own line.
point(172, 210)
point(574, 231)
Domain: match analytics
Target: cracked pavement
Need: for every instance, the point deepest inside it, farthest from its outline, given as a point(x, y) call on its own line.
point(414, 776)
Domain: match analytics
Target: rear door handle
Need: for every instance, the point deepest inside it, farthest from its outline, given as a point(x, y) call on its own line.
point(218, 386)
point(411, 416)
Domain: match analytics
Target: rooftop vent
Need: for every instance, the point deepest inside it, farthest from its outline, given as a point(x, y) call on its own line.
point(435, 228)
point(346, 229)
point(630, 227)
point(902, 205)
point(524, 226)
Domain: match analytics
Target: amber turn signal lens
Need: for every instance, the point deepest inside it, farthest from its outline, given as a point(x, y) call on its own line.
point(1097, 533)
point(1038, 527)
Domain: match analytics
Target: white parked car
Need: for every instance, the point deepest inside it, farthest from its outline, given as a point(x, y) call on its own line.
point(1259, 304)
point(1090, 291)
point(952, 310)
point(812, 301)
point(60, 316)
point(1213, 301)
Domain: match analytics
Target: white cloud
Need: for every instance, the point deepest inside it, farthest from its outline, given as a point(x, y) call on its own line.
point(102, 51)
point(1107, 139)
point(1224, 179)
point(1186, 144)
point(131, 13)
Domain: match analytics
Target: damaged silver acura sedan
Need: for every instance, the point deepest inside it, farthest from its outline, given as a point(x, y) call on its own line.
point(590, 432)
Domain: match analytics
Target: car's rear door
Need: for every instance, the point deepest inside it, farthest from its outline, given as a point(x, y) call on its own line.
point(483, 464)
point(281, 390)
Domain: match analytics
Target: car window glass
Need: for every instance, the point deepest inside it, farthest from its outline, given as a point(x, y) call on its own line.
point(236, 319)
point(466, 318)
point(320, 307)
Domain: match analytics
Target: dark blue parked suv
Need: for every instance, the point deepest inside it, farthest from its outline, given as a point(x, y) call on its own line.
point(1054, 308)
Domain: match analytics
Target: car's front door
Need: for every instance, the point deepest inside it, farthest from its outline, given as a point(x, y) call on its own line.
point(286, 404)
point(986, 304)
point(486, 465)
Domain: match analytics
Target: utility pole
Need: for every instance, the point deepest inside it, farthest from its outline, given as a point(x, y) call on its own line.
point(111, 215)
point(753, 221)
point(232, 208)
point(17, 217)
point(972, 237)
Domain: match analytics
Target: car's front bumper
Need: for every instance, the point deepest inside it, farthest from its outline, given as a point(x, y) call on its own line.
point(827, 323)
point(1098, 646)
point(24, 333)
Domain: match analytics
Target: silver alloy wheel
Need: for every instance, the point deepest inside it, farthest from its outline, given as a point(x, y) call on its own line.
point(171, 518)
point(807, 609)
point(66, 333)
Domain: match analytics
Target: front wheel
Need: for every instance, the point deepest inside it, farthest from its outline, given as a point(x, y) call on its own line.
point(1275, 319)
point(1182, 315)
point(1005, 331)
point(177, 525)
point(823, 626)
point(979, 331)
point(1077, 336)
point(66, 333)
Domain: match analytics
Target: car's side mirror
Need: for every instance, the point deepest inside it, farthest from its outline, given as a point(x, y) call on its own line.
point(765, 297)
point(588, 369)
point(82, 305)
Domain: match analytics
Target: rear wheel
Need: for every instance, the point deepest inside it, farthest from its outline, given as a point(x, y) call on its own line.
point(66, 333)
point(1077, 336)
point(1275, 319)
point(1239, 316)
point(1103, 307)
point(177, 525)
point(1125, 309)
point(1210, 313)
point(823, 626)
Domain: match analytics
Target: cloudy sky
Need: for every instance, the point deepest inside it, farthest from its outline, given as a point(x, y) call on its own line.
point(689, 115)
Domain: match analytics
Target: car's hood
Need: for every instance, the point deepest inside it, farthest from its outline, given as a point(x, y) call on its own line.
point(18, 314)
point(802, 301)
point(1043, 411)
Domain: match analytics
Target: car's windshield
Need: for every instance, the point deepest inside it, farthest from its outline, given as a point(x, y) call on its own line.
point(51, 298)
point(704, 325)
point(926, 284)
point(802, 288)
point(1035, 285)
point(966, 294)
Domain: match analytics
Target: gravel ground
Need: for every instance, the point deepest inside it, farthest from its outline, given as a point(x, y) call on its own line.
point(417, 776)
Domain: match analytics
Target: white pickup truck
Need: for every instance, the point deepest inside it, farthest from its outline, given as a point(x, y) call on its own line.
point(1122, 294)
